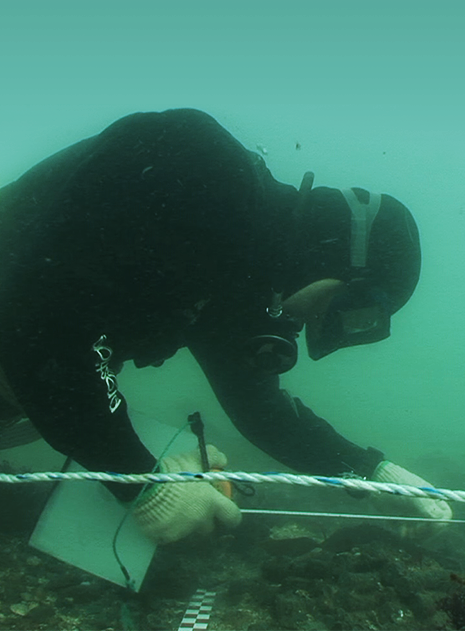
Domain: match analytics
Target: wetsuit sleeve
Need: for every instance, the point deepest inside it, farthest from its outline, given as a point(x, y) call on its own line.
point(72, 400)
point(280, 425)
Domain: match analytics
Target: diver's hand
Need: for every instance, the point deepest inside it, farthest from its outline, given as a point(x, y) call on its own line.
point(169, 511)
point(433, 509)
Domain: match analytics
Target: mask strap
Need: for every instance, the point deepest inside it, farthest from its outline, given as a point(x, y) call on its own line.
point(362, 219)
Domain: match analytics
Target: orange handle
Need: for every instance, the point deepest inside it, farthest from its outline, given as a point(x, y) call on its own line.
point(223, 486)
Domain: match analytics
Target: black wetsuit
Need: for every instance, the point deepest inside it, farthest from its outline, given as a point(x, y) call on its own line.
point(161, 232)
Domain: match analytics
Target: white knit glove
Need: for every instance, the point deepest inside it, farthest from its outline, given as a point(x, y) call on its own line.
point(434, 509)
point(172, 510)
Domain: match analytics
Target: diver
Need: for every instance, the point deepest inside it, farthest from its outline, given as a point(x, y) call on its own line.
point(164, 232)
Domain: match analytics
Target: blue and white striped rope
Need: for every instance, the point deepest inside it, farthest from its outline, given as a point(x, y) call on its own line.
point(241, 476)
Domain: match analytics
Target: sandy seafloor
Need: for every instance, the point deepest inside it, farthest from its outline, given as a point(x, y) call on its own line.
point(272, 573)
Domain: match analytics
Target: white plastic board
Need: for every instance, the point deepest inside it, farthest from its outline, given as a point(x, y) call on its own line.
point(79, 521)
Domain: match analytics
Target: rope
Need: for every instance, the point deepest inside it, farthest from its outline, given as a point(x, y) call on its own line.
point(298, 513)
point(242, 476)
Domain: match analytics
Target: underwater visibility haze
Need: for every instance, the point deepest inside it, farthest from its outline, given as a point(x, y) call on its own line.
point(363, 94)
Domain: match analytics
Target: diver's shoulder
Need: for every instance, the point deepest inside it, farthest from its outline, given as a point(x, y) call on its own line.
point(179, 113)
point(179, 117)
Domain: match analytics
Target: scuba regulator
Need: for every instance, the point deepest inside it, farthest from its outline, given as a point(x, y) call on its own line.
point(275, 350)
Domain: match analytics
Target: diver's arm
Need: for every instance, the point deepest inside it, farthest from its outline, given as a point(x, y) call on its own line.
point(67, 399)
point(280, 425)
